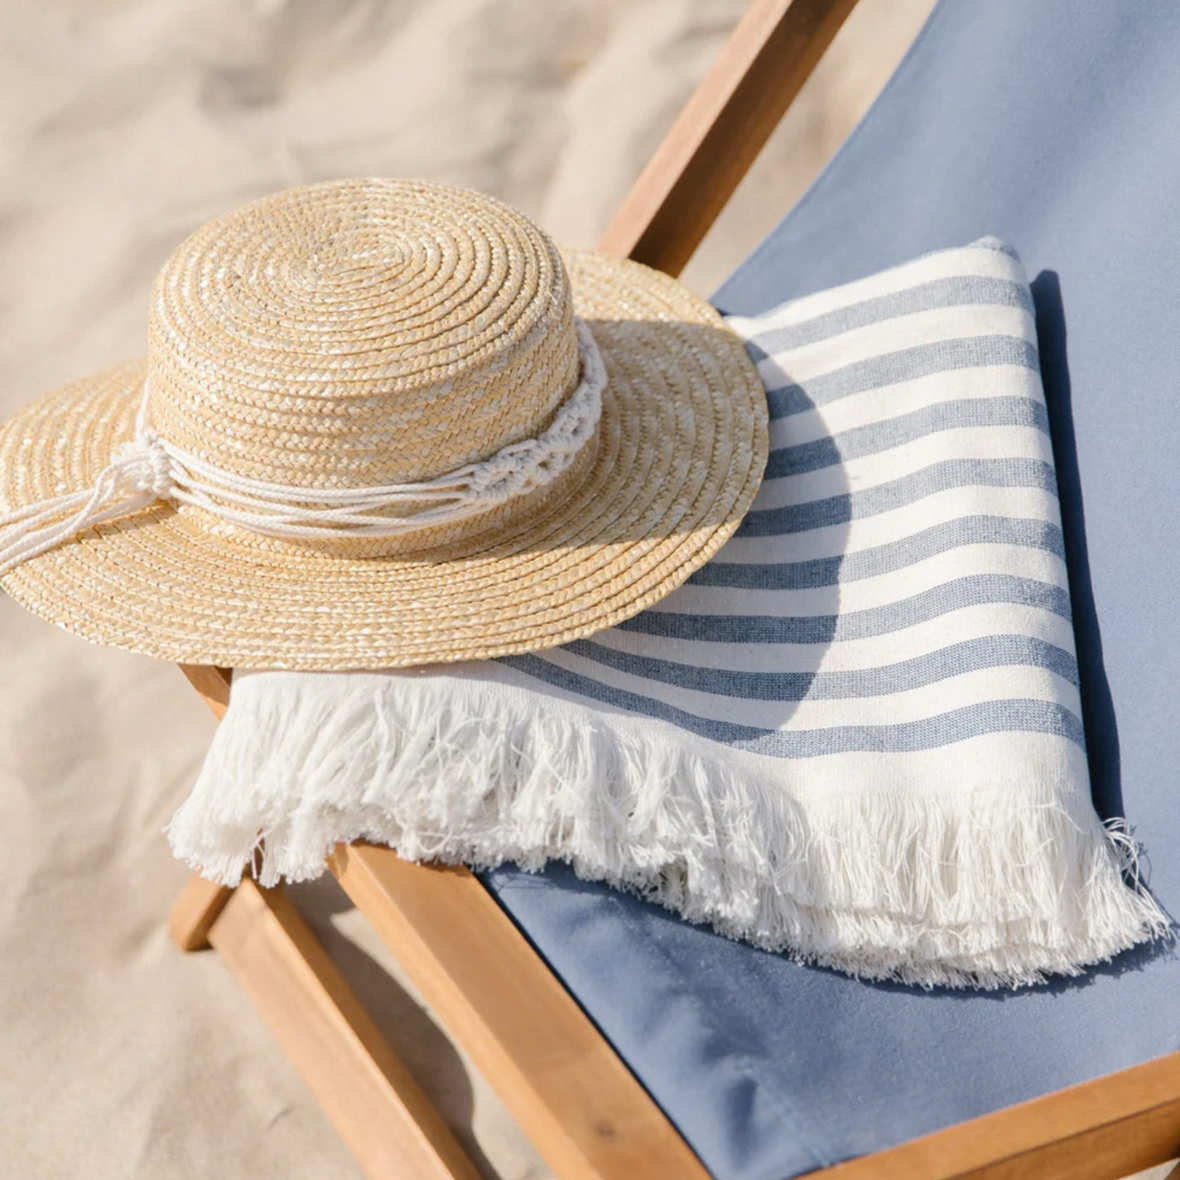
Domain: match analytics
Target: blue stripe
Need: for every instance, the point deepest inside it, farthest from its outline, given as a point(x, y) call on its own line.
point(884, 559)
point(1012, 716)
point(972, 655)
point(906, 428)
point(897, 493)
point(975, 590)
point(959, 291)
point(907, 364)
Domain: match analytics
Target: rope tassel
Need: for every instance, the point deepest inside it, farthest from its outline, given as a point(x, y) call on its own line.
point(139, 474)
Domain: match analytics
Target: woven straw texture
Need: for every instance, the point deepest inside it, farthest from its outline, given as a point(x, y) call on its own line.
point(366, 332)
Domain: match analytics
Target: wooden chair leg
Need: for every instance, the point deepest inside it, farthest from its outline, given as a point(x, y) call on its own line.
point(362, 1085)
point(195, 911)
point(568, 1090)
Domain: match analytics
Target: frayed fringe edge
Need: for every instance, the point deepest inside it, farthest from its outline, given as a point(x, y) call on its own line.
point(984, 889)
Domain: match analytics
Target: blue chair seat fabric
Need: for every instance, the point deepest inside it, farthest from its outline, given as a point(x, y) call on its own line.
point(1052, 125)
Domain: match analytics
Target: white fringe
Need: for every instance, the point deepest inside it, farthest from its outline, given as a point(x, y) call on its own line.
point(966, 889)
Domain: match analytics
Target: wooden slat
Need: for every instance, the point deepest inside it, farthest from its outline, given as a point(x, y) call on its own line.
point(195, 911)
point(711, 146)
point(1100, 1130)
point(212, 685)
point(366, 1091)
point(567, 1088)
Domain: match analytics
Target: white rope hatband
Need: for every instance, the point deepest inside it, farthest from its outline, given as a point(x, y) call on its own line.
point(150, 468)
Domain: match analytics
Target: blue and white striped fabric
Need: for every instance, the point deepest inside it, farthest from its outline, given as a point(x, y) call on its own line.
point(899, 585)
point(855, 735)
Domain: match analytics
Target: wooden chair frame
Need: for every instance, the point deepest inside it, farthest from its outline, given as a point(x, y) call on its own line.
point(571, 1094)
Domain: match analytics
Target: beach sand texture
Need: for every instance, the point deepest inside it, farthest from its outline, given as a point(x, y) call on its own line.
point(123, 125)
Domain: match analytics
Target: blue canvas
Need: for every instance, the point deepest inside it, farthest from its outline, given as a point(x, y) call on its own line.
point(1050, 125)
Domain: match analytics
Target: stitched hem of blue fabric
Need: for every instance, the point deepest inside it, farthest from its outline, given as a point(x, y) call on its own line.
point(854, 736)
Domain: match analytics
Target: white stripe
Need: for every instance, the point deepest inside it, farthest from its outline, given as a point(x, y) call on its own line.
point(946, 264)
point(990, 761)
point(893, 335)
point(875, 406)
point(976, 442)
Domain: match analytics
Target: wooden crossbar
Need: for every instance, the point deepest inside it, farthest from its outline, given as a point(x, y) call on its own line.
point(585, 1112)
point(1100, 1130)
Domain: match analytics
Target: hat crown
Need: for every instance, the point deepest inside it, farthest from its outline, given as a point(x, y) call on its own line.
point(360, 333)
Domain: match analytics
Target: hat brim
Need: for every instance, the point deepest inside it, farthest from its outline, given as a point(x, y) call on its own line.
point(682, 449)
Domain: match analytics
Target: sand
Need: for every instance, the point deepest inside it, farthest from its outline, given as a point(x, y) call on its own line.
point(123, 125)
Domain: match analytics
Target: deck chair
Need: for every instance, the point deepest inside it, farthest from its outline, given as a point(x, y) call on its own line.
point(629, 1044)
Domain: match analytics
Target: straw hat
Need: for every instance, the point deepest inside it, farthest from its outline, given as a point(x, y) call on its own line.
point(383, 423)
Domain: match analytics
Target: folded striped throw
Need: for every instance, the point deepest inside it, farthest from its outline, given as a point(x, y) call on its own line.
point(854, 736)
